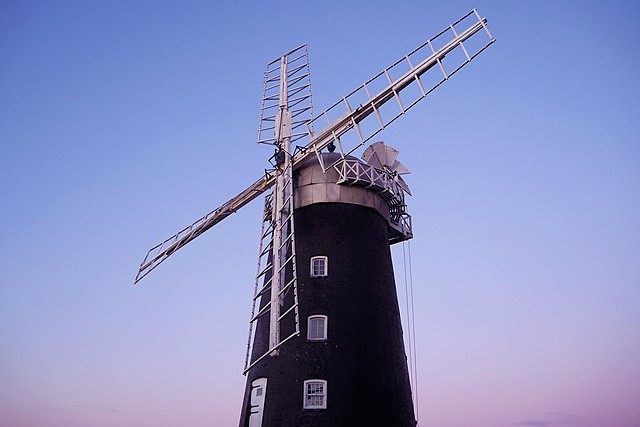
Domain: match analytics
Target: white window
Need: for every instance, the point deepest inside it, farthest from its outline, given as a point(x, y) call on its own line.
point(319, 266)
point(317, 328)
point(315, 394)
point(258, 391)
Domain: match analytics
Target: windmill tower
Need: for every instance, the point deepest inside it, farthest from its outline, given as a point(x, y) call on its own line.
point(325, 343)
point(347, 366)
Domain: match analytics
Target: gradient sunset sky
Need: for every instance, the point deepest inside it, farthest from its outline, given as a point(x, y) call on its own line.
point(121, 122)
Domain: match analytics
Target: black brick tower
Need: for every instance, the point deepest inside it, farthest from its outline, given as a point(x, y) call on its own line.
point(360, 363)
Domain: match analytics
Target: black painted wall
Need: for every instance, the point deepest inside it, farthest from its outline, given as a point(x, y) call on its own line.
point(363, 359)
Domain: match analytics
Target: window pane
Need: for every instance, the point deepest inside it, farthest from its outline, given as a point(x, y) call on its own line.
point(316, 328)
point(315, 395)
point(318, 266)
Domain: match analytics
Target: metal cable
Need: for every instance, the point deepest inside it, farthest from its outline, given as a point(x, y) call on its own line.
point(413, 333)
point(409, 322)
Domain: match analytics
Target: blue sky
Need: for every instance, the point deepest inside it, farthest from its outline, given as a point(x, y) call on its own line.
point(121, 122)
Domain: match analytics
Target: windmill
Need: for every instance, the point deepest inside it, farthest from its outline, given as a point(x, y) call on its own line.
point(325, 340)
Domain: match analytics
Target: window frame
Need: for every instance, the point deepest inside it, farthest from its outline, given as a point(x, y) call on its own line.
point(325, 327)
point(325, 259)
point(305, 396)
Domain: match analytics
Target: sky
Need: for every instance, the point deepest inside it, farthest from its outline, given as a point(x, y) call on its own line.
point(122, 122)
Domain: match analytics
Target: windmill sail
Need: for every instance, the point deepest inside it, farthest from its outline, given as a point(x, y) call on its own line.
point(354, 119)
